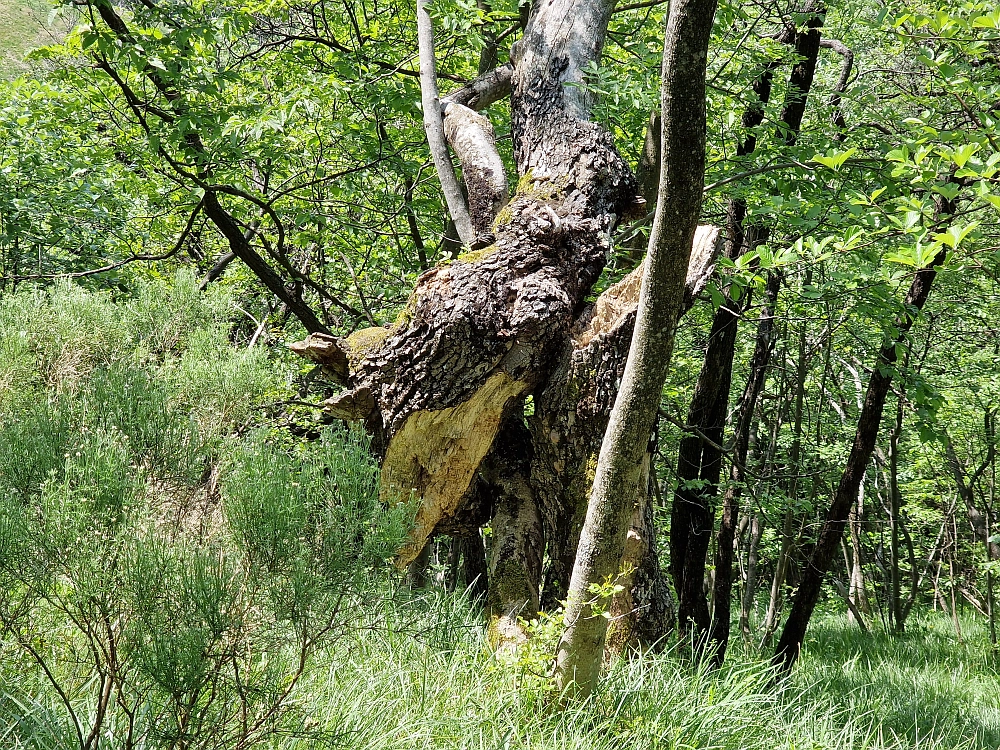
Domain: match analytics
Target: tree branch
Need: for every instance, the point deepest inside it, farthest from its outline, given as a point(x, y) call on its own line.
point(435, 127)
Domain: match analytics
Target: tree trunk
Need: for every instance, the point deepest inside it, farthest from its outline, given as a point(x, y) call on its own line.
point(618, 471)
point(790, 643)
point(699, 462)
point(857, 588)
point(479, 334)
point(737, 475)
point(774, 604)
point(749, 599)
point(895, 501)
point(571, 413)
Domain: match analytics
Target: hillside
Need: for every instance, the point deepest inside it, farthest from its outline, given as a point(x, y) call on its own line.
point(24, 24)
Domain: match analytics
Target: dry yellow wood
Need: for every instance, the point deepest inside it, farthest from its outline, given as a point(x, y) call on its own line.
point(435, 455)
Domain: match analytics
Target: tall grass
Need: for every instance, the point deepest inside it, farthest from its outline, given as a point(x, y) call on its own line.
point(272, 622)
point(432, 683)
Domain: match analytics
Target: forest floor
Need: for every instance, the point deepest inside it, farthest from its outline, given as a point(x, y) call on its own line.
point(434, 684)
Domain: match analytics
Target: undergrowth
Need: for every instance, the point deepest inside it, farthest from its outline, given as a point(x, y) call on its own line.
point(176, 573)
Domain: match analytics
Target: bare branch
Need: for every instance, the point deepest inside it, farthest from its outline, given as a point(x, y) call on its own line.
point(435, 127)
point(470, 135)
point(488, 88)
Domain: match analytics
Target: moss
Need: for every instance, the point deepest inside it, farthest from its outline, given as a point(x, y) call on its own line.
point(405, 315)
point(474, 256)
point(360, 343)
point(508, 584)
point(504, 216)
point(541, 190)
point(591, 471)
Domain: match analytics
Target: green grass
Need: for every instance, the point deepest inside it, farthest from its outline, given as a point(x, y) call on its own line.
point(153, 372)
point(433, 684)
point(24, 25)
point(420, 676)
point(923, 685)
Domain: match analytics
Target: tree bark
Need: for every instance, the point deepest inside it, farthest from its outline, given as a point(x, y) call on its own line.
point(699, 462)
point(737, 475)
point(750, 585)
point(895, 503)
point(571, 413)
point(618, 471)
point(480, 333)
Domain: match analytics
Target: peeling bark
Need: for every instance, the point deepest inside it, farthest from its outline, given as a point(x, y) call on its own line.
point(481, 332)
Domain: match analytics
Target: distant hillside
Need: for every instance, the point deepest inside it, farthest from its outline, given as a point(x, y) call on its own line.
point(23, 26)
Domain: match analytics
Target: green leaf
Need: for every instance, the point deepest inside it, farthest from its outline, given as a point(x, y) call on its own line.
point(834, 160)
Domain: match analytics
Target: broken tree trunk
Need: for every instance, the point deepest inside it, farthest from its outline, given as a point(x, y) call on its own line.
point(480, 333)
point(571, 415)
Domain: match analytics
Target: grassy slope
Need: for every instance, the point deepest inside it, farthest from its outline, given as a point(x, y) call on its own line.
point(23, 26)
point(436, 687)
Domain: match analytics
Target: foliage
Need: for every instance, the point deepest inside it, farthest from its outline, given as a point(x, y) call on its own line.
point(141, 608)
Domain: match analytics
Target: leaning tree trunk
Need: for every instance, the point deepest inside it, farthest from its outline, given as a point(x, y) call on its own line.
point(792, 635)
point(699, 461)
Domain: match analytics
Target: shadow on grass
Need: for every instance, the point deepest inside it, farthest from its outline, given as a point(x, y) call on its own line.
point(922, 685)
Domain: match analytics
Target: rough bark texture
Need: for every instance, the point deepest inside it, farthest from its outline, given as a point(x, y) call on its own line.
point(619, 465)
point(790, 642)
point(571, 413)
point(481, 332)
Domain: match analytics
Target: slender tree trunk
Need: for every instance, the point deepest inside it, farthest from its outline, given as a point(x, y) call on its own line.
point(737, 476)
point(750, 586)
point(991, 601)
point(602, 541)
point(857, 589)
point(474, 573)
point(790, 643)
point(774, 605)
point(896, 600)
point(699, 462)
